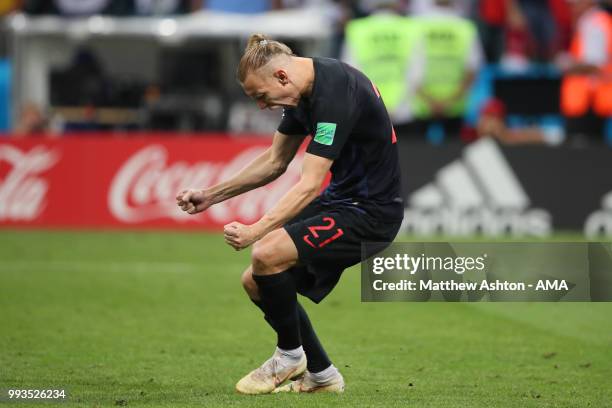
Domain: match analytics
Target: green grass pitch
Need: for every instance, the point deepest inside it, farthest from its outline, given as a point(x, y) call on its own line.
point(160, 319)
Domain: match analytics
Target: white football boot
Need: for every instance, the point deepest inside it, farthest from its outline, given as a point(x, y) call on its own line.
point(275, 371)
point(306, 383)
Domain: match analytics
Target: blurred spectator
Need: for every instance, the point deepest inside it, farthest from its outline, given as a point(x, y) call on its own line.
point(459, 8)
point(447, 59)
point(523, 30)
point(343, 12)
point(78, 8)
point(81, 7)
point(606, 5)
point(260, 6)
point(290, 4)
point(562, 15)
point(381, 46)
point(162, 7)
point(83, 82)
point(364, 8)
point(519, 43)
point(492, 123)
point(241, 6)
point(541, 26)
point(491, 17)
point(8, 6)
point(31, 121)
point(586, 89)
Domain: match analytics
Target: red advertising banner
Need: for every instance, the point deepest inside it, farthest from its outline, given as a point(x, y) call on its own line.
point(104, 181)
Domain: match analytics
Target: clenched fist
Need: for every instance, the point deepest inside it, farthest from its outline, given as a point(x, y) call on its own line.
point(193, 201)
point(239, 236)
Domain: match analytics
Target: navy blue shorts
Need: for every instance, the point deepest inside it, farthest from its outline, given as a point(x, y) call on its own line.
point(328, 240)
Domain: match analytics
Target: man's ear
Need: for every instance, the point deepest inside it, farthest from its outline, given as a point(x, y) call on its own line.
point(282, 76)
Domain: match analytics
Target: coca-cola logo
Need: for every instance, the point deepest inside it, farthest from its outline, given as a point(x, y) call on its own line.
point(145, 187)
point(22, 190)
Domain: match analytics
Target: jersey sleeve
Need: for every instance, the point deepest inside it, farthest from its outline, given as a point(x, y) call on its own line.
point(334, 120)
point(290, 126)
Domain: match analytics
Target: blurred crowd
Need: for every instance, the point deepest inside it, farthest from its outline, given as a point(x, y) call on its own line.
point(447, 69)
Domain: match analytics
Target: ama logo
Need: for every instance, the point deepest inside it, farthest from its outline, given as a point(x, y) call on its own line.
point(477, 194)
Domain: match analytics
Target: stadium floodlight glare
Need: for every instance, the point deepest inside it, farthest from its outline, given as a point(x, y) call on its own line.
point(97, 25)
point(18, 22)
point(167, 27)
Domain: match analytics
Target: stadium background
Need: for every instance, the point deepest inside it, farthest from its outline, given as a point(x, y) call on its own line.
point(109, 109)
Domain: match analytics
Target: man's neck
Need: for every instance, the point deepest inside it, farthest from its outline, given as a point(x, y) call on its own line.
point(305, 68)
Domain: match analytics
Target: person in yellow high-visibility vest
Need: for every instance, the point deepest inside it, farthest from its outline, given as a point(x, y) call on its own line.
point(447, 58)
point(381, 45)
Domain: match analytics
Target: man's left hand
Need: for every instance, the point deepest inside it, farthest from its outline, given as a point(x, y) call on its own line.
point(238, 235)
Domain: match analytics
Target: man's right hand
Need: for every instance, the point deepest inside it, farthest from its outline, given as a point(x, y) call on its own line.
point(193, 201)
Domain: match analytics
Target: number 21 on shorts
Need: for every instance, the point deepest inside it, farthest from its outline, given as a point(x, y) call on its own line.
point(313, 238)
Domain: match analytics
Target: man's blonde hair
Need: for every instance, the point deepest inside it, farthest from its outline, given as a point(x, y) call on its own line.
point(258, 52)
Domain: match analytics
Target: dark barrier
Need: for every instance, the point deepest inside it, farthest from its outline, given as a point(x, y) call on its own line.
point(486, 189)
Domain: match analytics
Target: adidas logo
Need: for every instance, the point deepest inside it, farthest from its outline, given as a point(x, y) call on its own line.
point(599, 223)
point(476, 194)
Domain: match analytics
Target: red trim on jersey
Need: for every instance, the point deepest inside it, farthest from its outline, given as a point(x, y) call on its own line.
point(393, 137)
point(375, 89)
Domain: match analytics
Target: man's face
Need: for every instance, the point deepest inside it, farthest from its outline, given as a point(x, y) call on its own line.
point(271, 90)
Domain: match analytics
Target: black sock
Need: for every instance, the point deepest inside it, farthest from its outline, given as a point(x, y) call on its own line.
point(315, 354)
point(317, 357)
point(279, 300)
point(260, 306)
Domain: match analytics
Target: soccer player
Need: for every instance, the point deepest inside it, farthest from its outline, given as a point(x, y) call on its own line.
point(303, 244)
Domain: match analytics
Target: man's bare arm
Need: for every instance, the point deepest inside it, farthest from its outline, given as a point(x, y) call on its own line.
point(261, 171)
point(265, 168)
point(314, 171)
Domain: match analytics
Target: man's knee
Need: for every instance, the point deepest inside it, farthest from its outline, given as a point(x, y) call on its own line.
point(262, 256)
